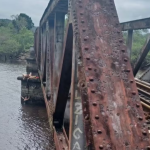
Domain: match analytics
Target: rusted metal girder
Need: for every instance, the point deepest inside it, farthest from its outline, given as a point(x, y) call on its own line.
point(61, 140)
point(109, 95)
point(59, 23)
point(76, 130)
point(129, 43)
point(43, 53)
point(53, 7)
point(136, 24)
point(142, 56)
point(112, 115)
point(64, 79)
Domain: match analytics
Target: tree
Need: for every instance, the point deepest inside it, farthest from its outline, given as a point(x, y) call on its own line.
point(8, 44)
point(28, 19)
point(139, 39)
point(18, 22)
point(21, 21)
point(15, 37)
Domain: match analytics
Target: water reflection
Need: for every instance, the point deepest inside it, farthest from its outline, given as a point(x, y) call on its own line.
point(22, 127)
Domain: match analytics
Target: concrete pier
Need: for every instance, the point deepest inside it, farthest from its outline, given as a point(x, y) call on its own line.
point(31, 92)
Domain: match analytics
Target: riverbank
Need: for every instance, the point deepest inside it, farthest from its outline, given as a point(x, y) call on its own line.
point(21, 58)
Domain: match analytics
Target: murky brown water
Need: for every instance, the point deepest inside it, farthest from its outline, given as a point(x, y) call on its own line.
point(22, 127)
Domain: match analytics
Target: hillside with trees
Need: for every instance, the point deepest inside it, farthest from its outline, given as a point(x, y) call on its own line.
point(139, 40)
point(15, 35)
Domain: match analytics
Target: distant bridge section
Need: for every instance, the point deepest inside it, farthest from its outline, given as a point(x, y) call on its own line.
point(136, 24)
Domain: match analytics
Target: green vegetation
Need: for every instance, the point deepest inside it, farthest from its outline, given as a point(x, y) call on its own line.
point(16, 36)
point(139, 40)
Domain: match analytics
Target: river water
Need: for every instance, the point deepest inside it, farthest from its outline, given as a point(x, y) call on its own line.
point(22, 127)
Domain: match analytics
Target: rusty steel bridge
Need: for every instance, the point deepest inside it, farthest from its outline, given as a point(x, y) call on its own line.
point(84, 61)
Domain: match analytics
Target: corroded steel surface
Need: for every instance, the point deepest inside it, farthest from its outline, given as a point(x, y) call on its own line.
point(76, 130)
point(61, 141)
point(112, 114)
point(109, 94)
point(64, 79)
point(136, 24)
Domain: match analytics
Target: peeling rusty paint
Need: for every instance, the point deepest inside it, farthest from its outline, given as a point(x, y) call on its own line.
point(109, 95)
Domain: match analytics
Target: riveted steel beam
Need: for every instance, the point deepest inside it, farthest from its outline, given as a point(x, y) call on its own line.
point(76, 133)
point(59, 23)
point(61, 141)
point(54, 6)
point(43, 53)
point(136, 24)
point(64, 79)
point(109, 95)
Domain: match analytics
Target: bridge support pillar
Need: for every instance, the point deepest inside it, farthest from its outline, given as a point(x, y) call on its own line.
point(31, 92)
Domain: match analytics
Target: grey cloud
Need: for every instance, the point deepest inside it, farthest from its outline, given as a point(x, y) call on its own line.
point(127, 9)
point(33, 8)
point(132, 9)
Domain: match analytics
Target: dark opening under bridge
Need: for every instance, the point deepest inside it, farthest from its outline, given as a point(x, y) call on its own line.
point(85, 61)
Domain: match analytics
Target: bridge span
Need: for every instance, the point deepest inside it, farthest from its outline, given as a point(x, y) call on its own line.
point(82, 59)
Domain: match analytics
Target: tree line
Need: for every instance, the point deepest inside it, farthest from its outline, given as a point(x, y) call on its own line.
point(139, 40)
point(15, 35)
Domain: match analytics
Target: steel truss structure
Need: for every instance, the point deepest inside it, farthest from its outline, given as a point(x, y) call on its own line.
point(83, 59)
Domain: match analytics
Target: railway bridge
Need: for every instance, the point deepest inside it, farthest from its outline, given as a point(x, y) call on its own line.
point(84, 64)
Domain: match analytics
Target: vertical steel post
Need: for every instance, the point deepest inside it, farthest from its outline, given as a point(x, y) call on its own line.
point(58, 43)
point(76, 133)
point(129, 43)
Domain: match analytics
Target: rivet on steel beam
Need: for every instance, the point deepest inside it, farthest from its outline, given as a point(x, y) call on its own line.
point(88, 58)
point(79, 57)
point(82, 21)
point(131, 81)
point(83, 30)
point(99, 132)
point(137, 105)
point(118, 31)
point(123, 50)
point(94, 104)
point(86, 38)
point(144, 132)
point(140, 118)
point(60, 139)
point(148, 147)
point(75, 21)
point(125, 59)
point(101, 147)
point(81, 13)
point(133, 93)
point(127, 70)
point(82, 84)
point(80, 1)
point(96, 117)
point(93, 91)
point(86, 117)
point(86, 48)
point(91, 79)
point(120, 40)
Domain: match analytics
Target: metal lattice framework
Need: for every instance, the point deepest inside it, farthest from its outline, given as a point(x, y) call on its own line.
point(87, 57)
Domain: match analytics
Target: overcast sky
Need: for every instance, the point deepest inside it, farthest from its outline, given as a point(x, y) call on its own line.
point(127, 9)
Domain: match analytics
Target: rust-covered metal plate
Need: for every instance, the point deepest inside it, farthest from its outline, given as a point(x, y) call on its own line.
point(113, 116)
point(61, 142)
